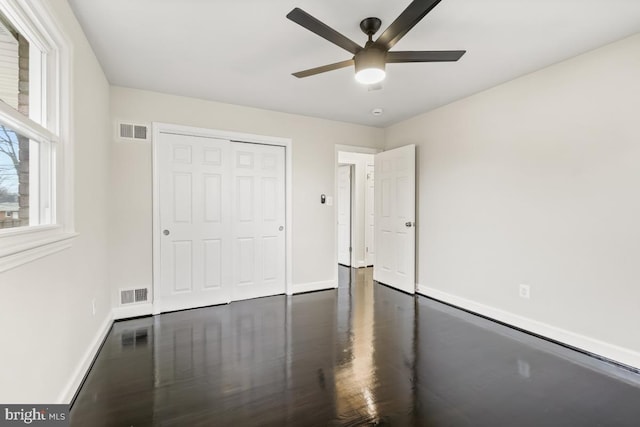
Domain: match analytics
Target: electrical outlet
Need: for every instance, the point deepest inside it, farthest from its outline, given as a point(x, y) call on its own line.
point(525, 291)
point(93, 306)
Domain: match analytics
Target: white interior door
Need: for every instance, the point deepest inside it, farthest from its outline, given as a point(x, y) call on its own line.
point(344, 215)
point(369, 232)
point(394, 218)
point(221, 209)
point(195, 245)
point(258, 204)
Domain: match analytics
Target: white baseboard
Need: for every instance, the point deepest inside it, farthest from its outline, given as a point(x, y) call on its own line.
point(314, 286)
point(81, 370)
point(133, 310)
point(610, 351)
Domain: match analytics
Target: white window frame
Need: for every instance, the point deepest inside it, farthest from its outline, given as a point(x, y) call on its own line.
point(35, 20)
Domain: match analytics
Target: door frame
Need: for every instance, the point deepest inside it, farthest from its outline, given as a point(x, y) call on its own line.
point(367, 254)
point(351, 215)
point(348, 149)
point(156, 129)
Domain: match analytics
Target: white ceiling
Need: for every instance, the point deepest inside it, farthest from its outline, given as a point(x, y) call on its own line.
point(243, 52)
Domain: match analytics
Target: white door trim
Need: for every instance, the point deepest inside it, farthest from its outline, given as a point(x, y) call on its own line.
point(157, 129)
point(345, 254)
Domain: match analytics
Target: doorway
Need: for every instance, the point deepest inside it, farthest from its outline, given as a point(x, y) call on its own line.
point(383, 213)
point(354, 210)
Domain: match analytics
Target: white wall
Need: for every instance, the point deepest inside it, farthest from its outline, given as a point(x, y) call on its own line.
point(46, 321)
point(314, 227)
point(536, 181)
point(360, 162)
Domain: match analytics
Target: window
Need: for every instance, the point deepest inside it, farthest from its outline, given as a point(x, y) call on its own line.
point(35, 194)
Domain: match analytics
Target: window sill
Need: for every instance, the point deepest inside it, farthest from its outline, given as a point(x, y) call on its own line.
point(41, 243)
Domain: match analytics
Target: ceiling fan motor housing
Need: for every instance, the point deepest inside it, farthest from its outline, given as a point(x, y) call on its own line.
point(371, 57)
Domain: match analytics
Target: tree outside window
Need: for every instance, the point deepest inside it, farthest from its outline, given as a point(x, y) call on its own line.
point(14, 148)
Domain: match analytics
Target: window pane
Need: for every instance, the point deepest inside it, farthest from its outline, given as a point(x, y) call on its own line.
point(14, 180)
point(14, 67)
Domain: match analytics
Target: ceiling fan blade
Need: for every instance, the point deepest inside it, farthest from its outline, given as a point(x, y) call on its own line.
point(323, 69)
point(425, 56)
point(405, 22)
point(312, 24)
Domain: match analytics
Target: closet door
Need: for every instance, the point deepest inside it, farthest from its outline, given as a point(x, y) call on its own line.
point(258, 200)
point(222, 217)
point(195, 207)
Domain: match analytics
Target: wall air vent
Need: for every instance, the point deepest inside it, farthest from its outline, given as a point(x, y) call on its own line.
point(141, 295)
point(132, 296)
point(133, 131)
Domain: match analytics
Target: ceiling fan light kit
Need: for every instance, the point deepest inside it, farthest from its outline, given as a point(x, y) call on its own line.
point(370, 61)
point(370, 66)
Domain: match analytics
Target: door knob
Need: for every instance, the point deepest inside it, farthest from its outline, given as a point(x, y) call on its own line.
point(409, 224)
point(165, 232)
point(281, 228)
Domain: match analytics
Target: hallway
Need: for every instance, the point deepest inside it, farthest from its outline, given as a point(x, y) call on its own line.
point(363, 354)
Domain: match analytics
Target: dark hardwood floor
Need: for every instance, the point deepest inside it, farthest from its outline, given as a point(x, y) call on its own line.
point(363, 354)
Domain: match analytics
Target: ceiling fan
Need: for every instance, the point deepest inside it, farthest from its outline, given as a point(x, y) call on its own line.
point(371, 59)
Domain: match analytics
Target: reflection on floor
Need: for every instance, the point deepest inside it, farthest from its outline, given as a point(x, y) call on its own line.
point(363, 354)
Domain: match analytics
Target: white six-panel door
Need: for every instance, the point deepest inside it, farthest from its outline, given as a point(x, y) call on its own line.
point(221, 209)
point(195, 242)
point(258, 218)
point(394, 221)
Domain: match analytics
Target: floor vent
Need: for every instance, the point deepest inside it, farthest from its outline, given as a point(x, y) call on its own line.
point(132, 131)
point(132, 296)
